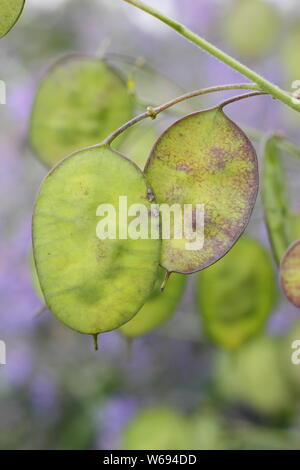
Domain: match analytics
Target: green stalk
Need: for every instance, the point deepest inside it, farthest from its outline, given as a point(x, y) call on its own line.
point(152, 112)
point(262, 82)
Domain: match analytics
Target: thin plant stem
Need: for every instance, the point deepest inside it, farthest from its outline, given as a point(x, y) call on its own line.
point(152, 112)
point(263, 83)
point(240, 97)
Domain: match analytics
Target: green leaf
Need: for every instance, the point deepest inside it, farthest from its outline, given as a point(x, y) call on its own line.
point(158, 428)
point(204, 158)
point(79, 103)
point(237, 294)
point(253, 377)
point(159, 306)
point(92, 285)
point(290, 273)
point(275, 200)
point(251, 27)
point(10, 11)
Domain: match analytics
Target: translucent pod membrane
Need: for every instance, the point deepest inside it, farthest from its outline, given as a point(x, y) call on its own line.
point(204, 159)
point(290, 54)
point(290, 273)
point(91, 284)
point(280, 224)
point(159, 306)
point(10, 11)
point(160, 428)
point(236, 295)
point(254, 378)
point(250, 27)
point(79, 103)
point(137, 142)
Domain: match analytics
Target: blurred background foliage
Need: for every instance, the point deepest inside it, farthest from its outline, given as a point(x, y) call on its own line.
point(173, 388)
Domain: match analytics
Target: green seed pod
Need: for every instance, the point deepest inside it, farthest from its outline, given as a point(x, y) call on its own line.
point(253, 377)
point(10, 12)
point(295, 226)
point(35, 279)
point(90, 284)
point(79, 103)
point(290, 273)
point(138, 142)
point(209, 432)
point(275, 200)
point(251, 27)
point(159, 428)
point(251, 437)
point(158, 308)
point(237, 294)
point(204, 158)
point(290, 53)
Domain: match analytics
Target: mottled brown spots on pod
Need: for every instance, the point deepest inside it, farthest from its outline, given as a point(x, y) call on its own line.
point(206, 159)
point(183, 167)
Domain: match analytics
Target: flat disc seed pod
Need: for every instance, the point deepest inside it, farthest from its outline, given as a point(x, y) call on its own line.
point(79, 103)
point(137, 143)
point(10, 11)
point(251, 27)
point(290, 273)
point(295, 226)
point(236, 295)
point(254, 378)
point(290, 54)
point(160, 428)
point(276, 201)
point(92, 285)
point(206, 159)
point(158, 307)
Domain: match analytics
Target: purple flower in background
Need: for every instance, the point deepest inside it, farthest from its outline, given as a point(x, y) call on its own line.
point(197, 15)
point(112, 420)
point(18, 299)
point(43, 393)
point(19, 363)
point(19, 102)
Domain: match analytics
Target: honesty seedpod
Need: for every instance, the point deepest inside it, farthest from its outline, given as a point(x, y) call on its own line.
point(10, 11)
point(160, 428)
point(159, 306)
point(236, 295)
point(244, 18)
point(276, 201)
point(253, 377)
point(35, 279)
point(296, 226)
point(137, 143)
point(290, 53)
point(290, 273)
point(78, 104)
point(206, 159)
point(92, 285)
